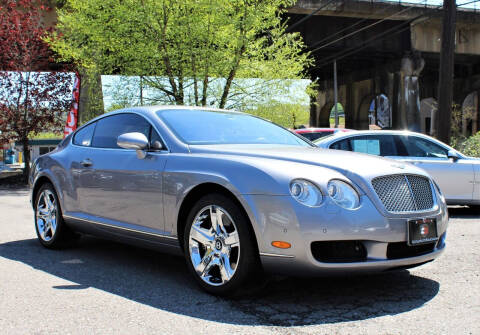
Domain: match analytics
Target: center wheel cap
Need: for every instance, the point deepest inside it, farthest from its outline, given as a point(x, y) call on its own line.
point(218, 244)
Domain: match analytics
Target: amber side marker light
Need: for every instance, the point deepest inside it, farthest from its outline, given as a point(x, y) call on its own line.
point(281, 244)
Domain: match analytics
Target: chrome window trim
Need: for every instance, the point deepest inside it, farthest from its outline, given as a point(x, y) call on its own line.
point(123, 112)
point(119, 227)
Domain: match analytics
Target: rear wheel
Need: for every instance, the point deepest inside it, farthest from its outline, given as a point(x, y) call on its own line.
point(52, 232)
point(219, 246)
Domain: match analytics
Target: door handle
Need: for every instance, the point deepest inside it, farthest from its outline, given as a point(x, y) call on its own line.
point(86, 162)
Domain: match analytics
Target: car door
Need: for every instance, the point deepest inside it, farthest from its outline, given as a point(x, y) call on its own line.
point(453, 176)
point(80, 170)
point(123, 189)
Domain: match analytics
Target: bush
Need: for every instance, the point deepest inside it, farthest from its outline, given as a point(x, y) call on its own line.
point(471, 146)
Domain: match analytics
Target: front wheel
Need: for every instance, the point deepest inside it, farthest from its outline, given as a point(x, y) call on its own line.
point(219, 246)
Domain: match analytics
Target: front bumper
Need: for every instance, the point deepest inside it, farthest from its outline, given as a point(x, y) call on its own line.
point(281, 218)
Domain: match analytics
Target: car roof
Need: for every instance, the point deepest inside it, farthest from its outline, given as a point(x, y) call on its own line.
point(149, 110)
point(320, 130)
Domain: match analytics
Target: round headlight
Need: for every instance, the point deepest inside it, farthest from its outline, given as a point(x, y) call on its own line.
point(343, 194)
point(306, 193)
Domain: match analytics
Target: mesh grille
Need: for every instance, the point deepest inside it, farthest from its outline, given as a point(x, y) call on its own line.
point(421, 191)
point(404, 193)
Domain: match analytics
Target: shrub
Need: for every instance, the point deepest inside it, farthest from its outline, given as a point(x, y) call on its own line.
point(471, 146)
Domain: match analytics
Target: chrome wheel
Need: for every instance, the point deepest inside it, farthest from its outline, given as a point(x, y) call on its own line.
point(214, 245)
point(46, 215)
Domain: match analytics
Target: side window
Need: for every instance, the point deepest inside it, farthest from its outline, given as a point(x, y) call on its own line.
point(109, 128)
point(419, 147)
point(387, 146)
point(43, 150)
point(366, 144)
point(83, 137)
point(341, 145)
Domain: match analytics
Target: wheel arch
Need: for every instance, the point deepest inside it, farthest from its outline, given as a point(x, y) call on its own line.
point(195, 194)
point(41, 180)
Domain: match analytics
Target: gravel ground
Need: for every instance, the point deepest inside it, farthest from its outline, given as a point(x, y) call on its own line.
point(100, 287)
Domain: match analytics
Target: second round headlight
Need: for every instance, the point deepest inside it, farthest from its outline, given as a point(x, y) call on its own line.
point(306, 192)
point(343, 194)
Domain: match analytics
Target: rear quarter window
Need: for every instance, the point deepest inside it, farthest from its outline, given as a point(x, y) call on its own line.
point(84, 136)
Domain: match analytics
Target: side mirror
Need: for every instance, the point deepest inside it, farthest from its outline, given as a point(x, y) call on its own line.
point(453, 155)
point(137, 141)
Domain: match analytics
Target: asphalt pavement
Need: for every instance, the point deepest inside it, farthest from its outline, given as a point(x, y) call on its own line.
point(101, 287)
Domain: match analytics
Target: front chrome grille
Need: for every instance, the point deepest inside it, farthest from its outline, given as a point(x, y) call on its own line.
point(404, 193)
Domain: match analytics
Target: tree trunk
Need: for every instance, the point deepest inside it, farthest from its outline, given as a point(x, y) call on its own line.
point(91, 97)
point(230, 78)
point(26, 158)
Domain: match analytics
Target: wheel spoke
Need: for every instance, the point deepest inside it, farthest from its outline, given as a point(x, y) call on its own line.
point(204, 263)
point(42, 211)
point(226, 271)
point(53, 225)
point(42, 228)
point(232, 239)
point(216, 217)
point(211, 262)
point(201, 235)
point(49, 202)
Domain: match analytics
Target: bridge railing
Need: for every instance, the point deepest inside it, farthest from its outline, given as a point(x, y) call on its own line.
point(463, 5)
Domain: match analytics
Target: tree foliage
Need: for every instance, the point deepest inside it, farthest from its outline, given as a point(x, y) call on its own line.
point(191, 50)
point(30, 101)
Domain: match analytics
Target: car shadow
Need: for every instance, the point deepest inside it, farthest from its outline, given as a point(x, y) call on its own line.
point(463, 212)
point(162, 281)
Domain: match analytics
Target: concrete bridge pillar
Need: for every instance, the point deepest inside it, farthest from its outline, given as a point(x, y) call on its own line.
point(406, 94)
point(357, 103)
point(321, 105)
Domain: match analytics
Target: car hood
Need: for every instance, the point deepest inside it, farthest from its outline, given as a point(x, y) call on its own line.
point(345, 162)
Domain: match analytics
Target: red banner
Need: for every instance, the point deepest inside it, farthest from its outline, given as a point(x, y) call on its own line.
point(72, 117)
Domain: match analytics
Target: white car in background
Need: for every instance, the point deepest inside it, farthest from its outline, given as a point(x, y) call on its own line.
point(457, 175)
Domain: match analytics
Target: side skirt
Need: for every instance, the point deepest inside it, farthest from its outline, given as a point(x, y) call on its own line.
point(143, 239)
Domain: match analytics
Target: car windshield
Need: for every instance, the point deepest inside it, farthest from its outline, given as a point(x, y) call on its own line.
point(217, 127)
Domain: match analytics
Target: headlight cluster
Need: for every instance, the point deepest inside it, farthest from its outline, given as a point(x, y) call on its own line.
point(343, 194)
point(308, 194)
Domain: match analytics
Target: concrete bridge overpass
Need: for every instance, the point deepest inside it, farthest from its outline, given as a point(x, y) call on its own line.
point(387, 52)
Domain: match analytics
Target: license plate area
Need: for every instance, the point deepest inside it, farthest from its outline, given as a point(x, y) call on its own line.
point(421, 231)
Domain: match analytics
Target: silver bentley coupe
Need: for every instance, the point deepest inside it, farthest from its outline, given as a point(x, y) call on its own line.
point(237, 195)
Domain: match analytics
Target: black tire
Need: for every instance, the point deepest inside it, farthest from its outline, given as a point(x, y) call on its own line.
point(248, 275)
point(63, 236)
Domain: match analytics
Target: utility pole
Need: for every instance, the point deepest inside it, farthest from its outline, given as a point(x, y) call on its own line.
point(445, 84)
point(335, 92)
point(141, 90)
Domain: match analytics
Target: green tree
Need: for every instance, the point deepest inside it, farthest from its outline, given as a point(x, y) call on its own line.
point(191, 51)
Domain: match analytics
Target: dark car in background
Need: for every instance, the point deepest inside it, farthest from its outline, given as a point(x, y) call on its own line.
point(315, 133)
